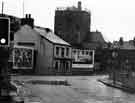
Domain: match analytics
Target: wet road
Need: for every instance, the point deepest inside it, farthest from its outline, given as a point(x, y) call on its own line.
point(83, 89)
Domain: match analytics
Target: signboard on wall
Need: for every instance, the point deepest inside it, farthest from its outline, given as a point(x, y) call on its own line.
point(83, 60)
point(23, 57)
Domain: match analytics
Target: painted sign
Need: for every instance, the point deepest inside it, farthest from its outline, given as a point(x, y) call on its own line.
point(83, 58)
point(23, 57)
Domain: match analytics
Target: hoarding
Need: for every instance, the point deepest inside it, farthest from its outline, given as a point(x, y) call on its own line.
point(83, 59)
point(23, 58)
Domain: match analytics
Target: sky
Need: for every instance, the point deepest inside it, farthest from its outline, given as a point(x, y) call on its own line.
point(113, 18)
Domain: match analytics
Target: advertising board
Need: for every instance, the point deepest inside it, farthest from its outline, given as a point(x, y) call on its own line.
point(23, 57)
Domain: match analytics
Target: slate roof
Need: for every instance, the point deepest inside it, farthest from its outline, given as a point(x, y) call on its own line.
point(50, 36)
point(127, 45)
point(95, 37)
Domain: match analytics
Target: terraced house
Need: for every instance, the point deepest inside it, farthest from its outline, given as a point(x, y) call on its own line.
point(57, 53)
point(38, 50)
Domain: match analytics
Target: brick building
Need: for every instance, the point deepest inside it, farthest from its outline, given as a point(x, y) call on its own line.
point(72, 24)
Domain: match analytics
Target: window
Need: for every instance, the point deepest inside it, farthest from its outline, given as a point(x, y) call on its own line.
point(87, 52)
point(74, 51)
point(67, 66)
point(78, 52)
point(62, 52)
point(57, 50)
point(90, 53)
point(67, 51)
point(82, 52)
point(56, 65)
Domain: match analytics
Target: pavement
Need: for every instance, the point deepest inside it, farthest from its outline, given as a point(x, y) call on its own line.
point(117, 84)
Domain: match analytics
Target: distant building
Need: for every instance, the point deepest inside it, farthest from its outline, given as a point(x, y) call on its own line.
point(128, 45)
point(72, 24)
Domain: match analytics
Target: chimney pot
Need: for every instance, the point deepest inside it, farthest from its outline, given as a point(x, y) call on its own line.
point(26, 16)
point(29, 15)
point(79, 5)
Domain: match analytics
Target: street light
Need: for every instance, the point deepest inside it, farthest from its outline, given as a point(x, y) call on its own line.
point(114, 63)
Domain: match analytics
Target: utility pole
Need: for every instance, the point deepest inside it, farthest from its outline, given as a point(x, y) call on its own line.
point(114, 63)
point(23, 8)
point(2, 9)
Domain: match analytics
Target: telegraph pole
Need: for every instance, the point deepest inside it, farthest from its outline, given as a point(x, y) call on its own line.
point(2, 9)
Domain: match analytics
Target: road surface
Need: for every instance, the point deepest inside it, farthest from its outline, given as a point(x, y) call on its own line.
point(83, 89)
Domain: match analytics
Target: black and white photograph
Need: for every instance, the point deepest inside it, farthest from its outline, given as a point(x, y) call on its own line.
point(67, 51)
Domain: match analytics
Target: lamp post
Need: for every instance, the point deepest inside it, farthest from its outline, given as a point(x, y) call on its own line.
point(114, 63)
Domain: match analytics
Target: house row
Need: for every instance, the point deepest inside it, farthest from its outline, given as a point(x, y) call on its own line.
point(40, 51)
point(37, 50)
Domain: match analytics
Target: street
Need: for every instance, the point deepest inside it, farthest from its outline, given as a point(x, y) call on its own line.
point(83, 89)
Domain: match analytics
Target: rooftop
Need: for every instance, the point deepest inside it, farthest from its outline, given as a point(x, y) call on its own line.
point(50, 36)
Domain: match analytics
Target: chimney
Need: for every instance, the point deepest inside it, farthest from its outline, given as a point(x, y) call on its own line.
point(79, 5)
point(27, 20)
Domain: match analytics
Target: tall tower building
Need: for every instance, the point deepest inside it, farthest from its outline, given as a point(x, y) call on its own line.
point(72, 24)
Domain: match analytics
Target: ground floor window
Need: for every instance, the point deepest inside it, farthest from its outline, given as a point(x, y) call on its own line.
point(62, 66)
point(56, 66)
point(65, 66)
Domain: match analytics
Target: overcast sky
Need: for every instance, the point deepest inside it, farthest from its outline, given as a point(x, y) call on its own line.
point(114, 18)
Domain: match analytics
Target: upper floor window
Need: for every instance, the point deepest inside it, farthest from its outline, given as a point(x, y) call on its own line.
point(57, 50)
point(87, 52)
point(62, 52)
point(82, 52)
point(67, 51)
